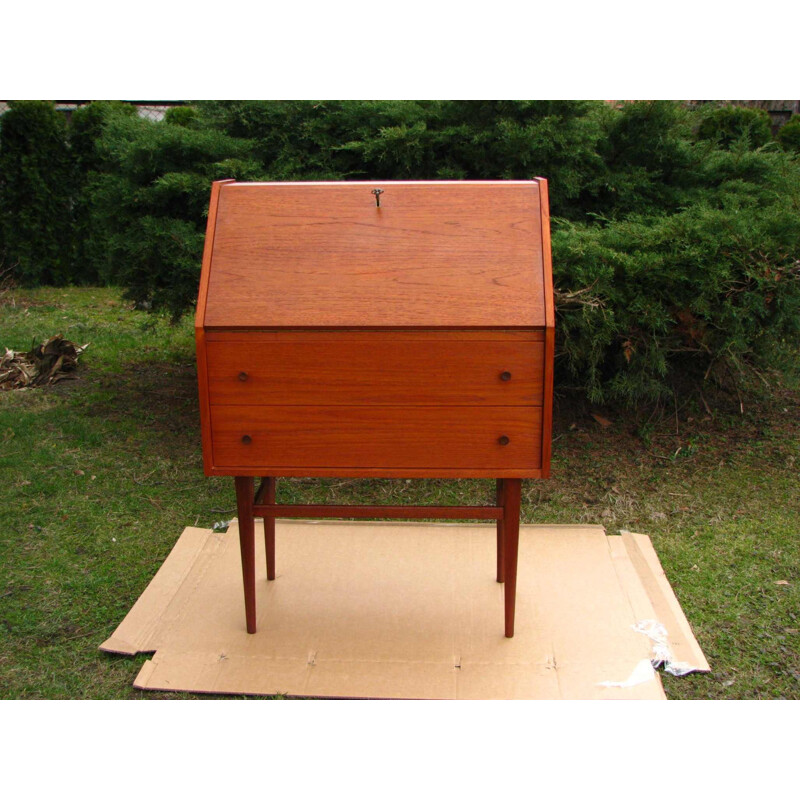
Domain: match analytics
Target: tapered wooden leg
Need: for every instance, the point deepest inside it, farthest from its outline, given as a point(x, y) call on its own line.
point(269, 529)
point(247, 543)
point(501, 542)
point(512, 488)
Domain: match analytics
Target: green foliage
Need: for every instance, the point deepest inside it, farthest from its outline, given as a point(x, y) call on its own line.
point(86, 130)
point(431, 140)
point(147, 203)
point(675, 231)
point(142, 150)
point(650, 159)
point(185, 116)
point(728, 124)
point(87, 127)
point(789, 135)
point(680, 294)
point(158, 261)
point(36, 186)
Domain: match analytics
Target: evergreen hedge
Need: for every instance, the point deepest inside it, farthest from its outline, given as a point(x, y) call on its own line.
point(646, 299)
point(147, 202)
point(676, 232)
point(37, 177)
point(728, 124)
point(789, 135)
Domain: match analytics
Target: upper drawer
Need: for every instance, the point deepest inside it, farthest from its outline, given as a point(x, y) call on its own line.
point(325, 369)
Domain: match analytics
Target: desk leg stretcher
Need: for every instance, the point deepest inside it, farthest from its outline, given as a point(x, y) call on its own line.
point(262, 503)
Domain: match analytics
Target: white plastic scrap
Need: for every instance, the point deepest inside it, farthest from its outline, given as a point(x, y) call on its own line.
point(642, 672)
point(662, 654)
point(221, 526)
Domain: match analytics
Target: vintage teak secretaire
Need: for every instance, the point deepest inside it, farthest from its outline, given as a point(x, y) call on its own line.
point(376, 330)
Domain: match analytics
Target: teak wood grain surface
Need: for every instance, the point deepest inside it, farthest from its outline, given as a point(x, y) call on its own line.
point(344, 437)
point(377, 329)
point(380, 370)
point(458, 254)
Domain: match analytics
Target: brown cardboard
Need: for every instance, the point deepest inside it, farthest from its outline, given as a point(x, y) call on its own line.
point(407, 610)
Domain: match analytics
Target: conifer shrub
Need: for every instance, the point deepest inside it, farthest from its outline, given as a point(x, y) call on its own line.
point(648, 298)
point(148, 200)
point(425, 140)
point(650, 159)
point(86, 128)
point(676, 233)
point(789, 135)
point(37, 176)
point(728, 124)
point(185, 116)
point(673, 254)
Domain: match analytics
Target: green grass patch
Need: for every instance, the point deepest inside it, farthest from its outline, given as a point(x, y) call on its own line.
point(99, 476)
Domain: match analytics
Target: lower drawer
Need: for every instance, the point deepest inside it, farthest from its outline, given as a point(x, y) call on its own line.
point(347, 437)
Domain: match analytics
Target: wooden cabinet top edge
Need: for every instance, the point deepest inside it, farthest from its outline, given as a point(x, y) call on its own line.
point(531, 182)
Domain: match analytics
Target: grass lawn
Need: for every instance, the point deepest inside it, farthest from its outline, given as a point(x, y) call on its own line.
point(99, 476)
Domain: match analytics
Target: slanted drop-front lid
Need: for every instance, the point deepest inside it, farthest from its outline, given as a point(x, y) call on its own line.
point(457, 254)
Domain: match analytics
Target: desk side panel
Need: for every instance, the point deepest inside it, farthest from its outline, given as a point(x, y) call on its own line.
point(550, 334)
point(205, 405)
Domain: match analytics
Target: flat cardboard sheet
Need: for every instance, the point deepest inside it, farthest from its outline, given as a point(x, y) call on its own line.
point(408, 610)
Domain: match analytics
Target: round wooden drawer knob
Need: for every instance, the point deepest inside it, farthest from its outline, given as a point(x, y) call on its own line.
point(505, 376)
point(243, 376)
point(504, 440)
point(246, 439)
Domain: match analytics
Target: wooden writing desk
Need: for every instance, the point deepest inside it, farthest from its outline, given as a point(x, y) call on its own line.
point(377, 330)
